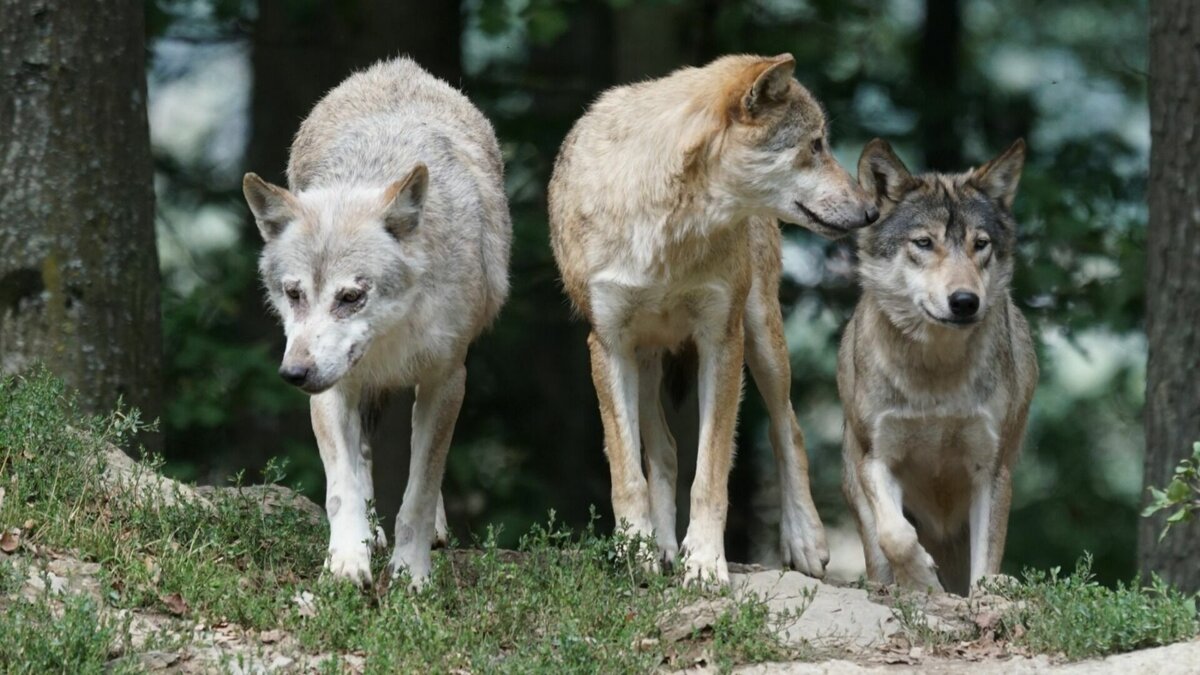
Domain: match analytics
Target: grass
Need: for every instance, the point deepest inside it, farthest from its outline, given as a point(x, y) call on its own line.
point(563, 602)
point(1075, 616)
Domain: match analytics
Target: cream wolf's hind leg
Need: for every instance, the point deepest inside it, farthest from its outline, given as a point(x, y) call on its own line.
point(801, 535)
point(615, 375)
point(439, 400)
point(660, 450)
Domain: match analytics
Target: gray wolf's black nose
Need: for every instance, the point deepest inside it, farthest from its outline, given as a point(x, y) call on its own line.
point(964, 304)
point(872, 214)
point(294, 375)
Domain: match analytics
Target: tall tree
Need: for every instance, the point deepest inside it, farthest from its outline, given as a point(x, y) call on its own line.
point(79, 279)
point(1172, 278)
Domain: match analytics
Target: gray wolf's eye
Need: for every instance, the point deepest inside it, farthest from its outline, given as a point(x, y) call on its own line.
point(924, 243)
point(981, 243)
point(818, 145)
point(350, 296)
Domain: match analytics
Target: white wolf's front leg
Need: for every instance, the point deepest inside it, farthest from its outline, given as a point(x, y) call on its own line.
point(439, 399)
point(337, 425)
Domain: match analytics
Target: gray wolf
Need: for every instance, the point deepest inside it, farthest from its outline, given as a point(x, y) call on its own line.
point(385, 258)
point(663, 204)
point(936, 371)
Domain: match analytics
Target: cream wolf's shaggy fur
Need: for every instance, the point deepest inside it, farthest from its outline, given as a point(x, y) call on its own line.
point(663, 205)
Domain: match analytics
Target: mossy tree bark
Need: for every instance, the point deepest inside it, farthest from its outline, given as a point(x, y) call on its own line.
point(1173, 278)
point(79, 278)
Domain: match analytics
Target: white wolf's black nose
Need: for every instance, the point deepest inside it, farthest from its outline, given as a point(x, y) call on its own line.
point(964, 304)
point(293, 374)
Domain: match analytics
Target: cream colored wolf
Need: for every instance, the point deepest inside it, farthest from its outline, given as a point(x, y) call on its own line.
point(662, 218)
point(385, 260)
point(936, 371)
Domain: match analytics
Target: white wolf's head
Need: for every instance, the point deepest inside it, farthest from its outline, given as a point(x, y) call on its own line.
point(336, 268)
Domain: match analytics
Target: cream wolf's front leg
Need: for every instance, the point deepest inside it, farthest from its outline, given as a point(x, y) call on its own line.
point(348, 489)
point(439, 399)
point(720, 388)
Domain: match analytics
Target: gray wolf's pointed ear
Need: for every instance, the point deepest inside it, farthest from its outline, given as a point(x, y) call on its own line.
point(882, 175)
point(273, 207)
point(770, 83)
point(404, 200)
point(998, 178)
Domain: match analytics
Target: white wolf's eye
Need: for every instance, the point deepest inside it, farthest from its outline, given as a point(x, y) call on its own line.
point(350, 296)
point(292, 292)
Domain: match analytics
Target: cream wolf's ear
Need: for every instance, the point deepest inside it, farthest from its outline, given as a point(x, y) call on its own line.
point(882, 175)
point(770, 84)
point(403, 201)
point(998, 178)
point(273, 207)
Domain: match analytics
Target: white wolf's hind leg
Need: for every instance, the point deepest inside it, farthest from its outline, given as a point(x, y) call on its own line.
point(441, 527)
point(348, 488)
point(439, 399)
point(661, 460)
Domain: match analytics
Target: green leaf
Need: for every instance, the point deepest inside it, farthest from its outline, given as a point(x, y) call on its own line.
point(1177, 491)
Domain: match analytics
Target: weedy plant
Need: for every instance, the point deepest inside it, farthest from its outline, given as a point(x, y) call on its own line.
point(1075, 616)
point(562, 602)
point(1181, 496)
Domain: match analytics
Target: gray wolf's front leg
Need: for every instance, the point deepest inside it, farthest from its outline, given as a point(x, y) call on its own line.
point(439, 399)
point(348, 488)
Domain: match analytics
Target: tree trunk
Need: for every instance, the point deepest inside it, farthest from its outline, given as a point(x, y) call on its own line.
point(937, 67)
point(1173, 279)
point(79, 279)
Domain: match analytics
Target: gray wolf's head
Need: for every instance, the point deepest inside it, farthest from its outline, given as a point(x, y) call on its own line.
point(942, 251)
point(336, 268)
point(775, 150)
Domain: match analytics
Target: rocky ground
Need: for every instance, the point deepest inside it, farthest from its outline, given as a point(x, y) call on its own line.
point(835, 627)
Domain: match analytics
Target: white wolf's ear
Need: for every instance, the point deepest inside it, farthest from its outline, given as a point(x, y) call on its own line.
point(273, 207)
point(770, 85)
point(882, 175)
point(998, 178)
point(403, 201)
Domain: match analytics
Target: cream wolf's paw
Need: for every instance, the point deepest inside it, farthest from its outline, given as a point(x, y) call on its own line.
point(803, 547)
point(350, 562)
point(703, 563)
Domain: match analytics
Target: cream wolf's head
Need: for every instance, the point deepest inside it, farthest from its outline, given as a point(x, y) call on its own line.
point(774, 149)
point(336, 268)
point(942, 251)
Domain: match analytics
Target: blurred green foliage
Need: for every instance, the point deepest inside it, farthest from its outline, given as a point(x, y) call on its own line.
point(949, 88)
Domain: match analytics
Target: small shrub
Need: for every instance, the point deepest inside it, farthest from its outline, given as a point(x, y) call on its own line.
point(1182, 494)
point(1079, 618)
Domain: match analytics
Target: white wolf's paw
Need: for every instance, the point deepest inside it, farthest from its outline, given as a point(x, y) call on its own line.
point(380, 543)
point(352, 563)
point(441, 532)
point(668, 553)
point(803, 547)
point(704, 561)
point(416, 564)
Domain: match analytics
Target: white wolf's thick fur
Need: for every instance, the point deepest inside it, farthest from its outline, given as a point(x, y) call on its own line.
point(386, 259)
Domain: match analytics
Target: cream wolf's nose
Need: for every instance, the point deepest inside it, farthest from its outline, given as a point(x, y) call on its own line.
point(872, 214)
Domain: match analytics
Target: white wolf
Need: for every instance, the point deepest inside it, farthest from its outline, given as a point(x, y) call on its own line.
point(386, 258)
